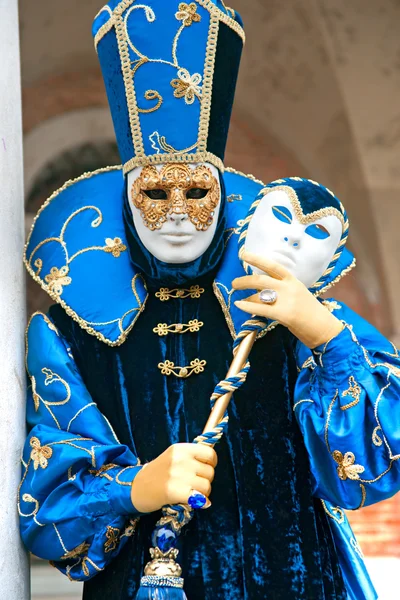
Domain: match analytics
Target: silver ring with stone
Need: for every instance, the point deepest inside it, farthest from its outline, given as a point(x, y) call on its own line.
point(268, 296)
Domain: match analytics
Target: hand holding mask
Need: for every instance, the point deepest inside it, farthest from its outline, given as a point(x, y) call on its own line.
point(293, 238)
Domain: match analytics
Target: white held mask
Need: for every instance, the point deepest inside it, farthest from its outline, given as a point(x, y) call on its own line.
point(175, 209)
point(304, 246)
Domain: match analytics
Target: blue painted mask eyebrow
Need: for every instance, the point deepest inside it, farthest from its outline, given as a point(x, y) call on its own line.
point(282, 213)
point(318, 232)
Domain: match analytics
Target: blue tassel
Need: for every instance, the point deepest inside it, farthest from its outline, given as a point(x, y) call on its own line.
point(160, 593)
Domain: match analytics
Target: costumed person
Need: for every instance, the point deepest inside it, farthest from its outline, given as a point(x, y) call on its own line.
point(140, 263)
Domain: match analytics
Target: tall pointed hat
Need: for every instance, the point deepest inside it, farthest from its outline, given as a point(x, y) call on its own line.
point(170, 70)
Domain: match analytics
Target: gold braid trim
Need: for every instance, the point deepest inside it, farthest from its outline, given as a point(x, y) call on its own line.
point(198, 157)
point(104, 29)
point(208, 83)
point(123, 48)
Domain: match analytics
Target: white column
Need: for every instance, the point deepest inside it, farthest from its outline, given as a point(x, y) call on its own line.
point(14, 568)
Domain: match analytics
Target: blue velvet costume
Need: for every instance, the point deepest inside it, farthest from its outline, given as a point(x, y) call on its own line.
point(307, 425)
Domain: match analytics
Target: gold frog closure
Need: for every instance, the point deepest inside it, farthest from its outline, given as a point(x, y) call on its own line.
point(165, 294)
point(169, 368)
point(163, 329)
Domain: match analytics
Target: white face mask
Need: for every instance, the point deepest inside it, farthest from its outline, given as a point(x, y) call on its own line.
point(305, 249)
point(175, 209)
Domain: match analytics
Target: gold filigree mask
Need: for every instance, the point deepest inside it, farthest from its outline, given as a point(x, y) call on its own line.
point(176, 189)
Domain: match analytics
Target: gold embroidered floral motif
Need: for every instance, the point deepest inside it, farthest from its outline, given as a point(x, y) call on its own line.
point(169, 368)
point(114, 247)
point(354, 391)
point(347, 469)
point(187, 86)
point(57, 279)
point(164, 329)
point(188, 14)
point(176, 181)
point(40, 454)
point(112, 535)
point(78, 551)
point(166, 294)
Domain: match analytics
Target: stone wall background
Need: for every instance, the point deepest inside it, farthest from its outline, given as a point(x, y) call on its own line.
point(318, 96)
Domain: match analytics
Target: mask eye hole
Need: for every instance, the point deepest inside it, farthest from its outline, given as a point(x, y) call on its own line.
point(196, 193)
point(156, 194)
point(283, 214)
point(318, 231)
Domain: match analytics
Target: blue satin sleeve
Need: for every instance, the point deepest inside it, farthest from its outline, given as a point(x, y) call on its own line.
point(74, 498)
point(347, 403)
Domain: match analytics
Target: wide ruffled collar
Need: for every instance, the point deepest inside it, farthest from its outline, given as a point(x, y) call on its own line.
point(77, 252)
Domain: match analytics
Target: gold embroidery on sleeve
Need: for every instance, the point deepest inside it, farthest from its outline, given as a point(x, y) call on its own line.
point(75, 552)
point(112, 535)
point(302, 402)
point(40, 454)
point(347, 469)
point(354, 391)
point(338, 513)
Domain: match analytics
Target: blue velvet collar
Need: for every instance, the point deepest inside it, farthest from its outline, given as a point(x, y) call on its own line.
point(77, 252)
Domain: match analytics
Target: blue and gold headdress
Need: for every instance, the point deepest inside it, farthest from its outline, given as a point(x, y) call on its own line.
point(170, 71)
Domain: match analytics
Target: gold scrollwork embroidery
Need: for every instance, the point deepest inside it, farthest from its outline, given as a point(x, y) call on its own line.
point(338, 513)
point(347, 469)
point(166, 294)
point(102, 472)
point(131, 528)
point(164, 329)
point(309, 363)
point(76, 552)
point(354, 391)
point(58, 278)
point(196, 367)
point(40, 454)
point(112, 535)
point(375, 437)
